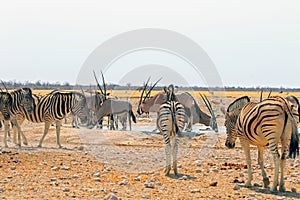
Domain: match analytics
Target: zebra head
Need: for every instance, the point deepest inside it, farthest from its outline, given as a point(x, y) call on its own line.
point(26, 99)
point(5, 101)
point(79, 107)
point(295, 107)
point(231, 117)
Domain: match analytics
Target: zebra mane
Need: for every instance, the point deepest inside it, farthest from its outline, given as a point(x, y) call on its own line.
point(238, 103)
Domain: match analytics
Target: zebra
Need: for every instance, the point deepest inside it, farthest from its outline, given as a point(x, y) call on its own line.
point(170, 122)
point(53, 107)
point(263, 124)
point(20, 101)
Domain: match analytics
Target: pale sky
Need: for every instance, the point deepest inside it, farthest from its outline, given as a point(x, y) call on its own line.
point(251, 43)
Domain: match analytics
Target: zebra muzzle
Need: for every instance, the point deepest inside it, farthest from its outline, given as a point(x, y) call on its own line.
point(229, 144)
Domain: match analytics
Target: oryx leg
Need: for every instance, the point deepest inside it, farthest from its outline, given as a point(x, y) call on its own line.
point(129, 121)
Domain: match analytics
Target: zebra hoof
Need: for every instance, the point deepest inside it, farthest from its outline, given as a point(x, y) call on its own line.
point(39, 146)
point(266, 182)
point(248, 185)
point(274, 189)
point(282, 189)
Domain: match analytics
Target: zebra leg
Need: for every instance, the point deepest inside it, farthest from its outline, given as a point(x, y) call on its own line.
point(168, 158)
point(58, 125)
point(246, 147)
point(174, 153)
point(261, 165)
point(46, 129)
point(284, 153)
point(6, 129)
point(276, 157)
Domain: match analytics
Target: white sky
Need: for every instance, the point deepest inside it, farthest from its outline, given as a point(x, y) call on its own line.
point(252, 43)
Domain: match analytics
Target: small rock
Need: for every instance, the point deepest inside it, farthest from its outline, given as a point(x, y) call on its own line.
point(198, 162)
point(152, 180)
point(183, 178)
point(198, 170)
point(54, 168)
point(137, 178)
point(148, 184)
point(179, 165)
point(66, 189)
point(195, 191)
point(80, 148)
point(111, 196)
point(129, 162)
point(236, 193)
point(236, 187)
point(15, 161)
point(13, 167)
point(2, 189)
point(65, 167)
point(145, 197)
point(241, 174)
point(124, 182)
point(215, 183)
point(53, 179)
point(294, 190)
point(75, 176)
point(97, 179)
point(252, 194)
point(97, 174)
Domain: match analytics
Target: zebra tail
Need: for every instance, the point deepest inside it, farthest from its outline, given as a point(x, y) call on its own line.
point(175, 123)
point(132, 116)
point(294, 144)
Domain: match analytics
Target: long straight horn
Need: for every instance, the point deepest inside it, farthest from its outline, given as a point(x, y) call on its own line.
point(260, 99)
point(98, 83)
point(269, 94)
point(144, 89)
point(148, 93)
point(207, 103)
point(82, 90)
point(104, 86)
point(4, 86)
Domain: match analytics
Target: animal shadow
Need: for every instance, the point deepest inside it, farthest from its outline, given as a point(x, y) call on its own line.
point(277, 193)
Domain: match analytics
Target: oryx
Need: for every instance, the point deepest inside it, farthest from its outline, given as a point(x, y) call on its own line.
point(113, 108)
point(193, 112)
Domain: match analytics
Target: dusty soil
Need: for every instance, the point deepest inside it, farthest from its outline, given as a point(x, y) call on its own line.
point(130, 165)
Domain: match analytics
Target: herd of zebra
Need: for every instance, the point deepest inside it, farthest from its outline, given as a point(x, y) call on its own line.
point(266, 123)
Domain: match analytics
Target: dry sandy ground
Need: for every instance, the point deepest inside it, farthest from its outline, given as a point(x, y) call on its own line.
point(98, 164)
point(129, 165)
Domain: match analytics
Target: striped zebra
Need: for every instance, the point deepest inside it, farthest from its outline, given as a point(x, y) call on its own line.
point(170, 122)
point(263, 124)
point(53, 107)
point(20, 100)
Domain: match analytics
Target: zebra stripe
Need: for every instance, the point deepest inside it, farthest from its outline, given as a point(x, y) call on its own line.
point(170, 122)
point(20, 100)
point(264, 124)
point(53, 107)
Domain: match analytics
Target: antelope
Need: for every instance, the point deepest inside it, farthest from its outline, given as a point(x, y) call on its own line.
point(193, 112)
point(111, 107)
